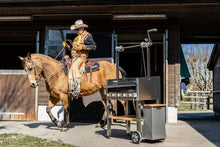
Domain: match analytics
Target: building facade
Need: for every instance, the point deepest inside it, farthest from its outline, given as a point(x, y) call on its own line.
point(41, 26)
point(214, 65)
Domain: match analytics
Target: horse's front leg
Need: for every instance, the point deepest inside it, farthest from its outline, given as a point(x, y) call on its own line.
point(52, 102)
point(65, 101)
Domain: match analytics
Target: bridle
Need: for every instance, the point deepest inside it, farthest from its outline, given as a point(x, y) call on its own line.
point(35, 73)
point(35, 70)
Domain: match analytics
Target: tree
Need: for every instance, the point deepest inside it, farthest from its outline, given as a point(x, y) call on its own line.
point(197, 57)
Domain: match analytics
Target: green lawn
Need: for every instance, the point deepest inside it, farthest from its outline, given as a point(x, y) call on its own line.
point(17, 140)
point(187, 107)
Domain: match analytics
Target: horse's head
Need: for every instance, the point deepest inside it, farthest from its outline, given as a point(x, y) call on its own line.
point(33, 69)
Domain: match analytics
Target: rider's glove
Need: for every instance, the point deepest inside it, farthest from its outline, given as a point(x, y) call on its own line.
point(65, 44)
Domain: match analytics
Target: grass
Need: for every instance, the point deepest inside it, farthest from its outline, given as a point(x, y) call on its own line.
point(186, 107)
point(17, 140)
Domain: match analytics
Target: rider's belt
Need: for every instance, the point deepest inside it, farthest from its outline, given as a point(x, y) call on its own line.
point(83, 53)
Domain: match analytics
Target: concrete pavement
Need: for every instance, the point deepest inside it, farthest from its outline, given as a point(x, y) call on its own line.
point(202, 131)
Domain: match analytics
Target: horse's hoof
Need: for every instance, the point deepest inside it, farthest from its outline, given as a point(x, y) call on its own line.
point(101, 125)
point(64, 129)
point(55, 122)
point(98, 126)
point(59, 124)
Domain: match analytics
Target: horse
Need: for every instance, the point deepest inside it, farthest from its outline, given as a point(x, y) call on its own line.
point(39, 65)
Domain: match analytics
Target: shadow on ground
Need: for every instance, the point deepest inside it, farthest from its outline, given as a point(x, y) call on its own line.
point(47, 125)
point(121, 134)
point(205, 123)
point(50, 125)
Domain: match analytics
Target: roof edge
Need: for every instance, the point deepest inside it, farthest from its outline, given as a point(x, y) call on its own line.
point(214, 56)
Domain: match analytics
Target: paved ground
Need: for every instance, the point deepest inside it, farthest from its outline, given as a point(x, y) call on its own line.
point(192, 129)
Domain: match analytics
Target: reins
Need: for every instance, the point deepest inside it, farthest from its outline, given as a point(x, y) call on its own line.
point(50, 75)
point(59, 53)
point(53, 74)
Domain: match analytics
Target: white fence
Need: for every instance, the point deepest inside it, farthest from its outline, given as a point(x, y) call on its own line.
point(198, 99)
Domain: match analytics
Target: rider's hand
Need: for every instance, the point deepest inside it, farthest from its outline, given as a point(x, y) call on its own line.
point(66, 46)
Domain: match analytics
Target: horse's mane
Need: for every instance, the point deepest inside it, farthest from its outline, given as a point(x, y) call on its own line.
point(44, 56)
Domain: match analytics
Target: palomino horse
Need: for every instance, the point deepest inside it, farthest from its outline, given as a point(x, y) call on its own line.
point(38, 65)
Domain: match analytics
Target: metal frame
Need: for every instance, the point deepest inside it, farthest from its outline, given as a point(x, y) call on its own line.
point(119, 83)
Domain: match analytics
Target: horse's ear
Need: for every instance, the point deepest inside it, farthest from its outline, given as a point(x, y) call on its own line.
point(29, 56)
point(21, 58)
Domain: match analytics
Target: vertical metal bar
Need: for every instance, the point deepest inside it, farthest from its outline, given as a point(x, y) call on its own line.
point(166, 71)
point(117, 65)
point(36, 90)
point(148, 62)
point(108, 119)
point(36, 104)
point(114, 44)
point(143, 58)
point(37, 42)
point(138, 116)
point(46, 40)
point(127, 122)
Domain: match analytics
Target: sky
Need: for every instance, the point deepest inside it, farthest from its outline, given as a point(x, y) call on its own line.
point(186, 46)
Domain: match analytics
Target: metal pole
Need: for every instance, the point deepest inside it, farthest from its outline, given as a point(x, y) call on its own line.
point(148, 62)
point(108, 119)
point(132, 46)
point(127, 121)
point(145, 73)
point(138, 116)
point(117, 65)
point(166, 72)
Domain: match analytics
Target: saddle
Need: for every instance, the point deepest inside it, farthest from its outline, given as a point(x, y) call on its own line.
point(91, 66)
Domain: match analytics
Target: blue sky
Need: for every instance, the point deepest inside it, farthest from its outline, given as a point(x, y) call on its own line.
point(186, 46)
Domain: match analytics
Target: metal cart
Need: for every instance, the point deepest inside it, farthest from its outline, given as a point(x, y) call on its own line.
point(138, 90)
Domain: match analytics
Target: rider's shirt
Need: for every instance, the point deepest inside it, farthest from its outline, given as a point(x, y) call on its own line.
point(85, 40)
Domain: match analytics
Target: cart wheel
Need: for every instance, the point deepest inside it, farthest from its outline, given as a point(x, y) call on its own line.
point(136, 137)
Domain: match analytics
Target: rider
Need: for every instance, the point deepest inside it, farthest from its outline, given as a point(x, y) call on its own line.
point(81, 46)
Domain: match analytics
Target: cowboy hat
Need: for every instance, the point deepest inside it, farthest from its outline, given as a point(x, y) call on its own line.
point(78, 24)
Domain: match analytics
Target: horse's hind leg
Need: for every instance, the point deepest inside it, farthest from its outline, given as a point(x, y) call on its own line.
point(102, 122)
point(104, 117)
point(52, 102)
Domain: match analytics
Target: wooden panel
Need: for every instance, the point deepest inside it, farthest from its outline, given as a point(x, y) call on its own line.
point(17, 98)
point(126, 117)
point(43, 95)
point(154, 105)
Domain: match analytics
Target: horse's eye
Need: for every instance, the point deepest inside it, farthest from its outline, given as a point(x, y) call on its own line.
point(30, 69)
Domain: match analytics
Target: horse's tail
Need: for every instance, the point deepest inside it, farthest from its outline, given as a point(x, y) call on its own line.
point(123, 72)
